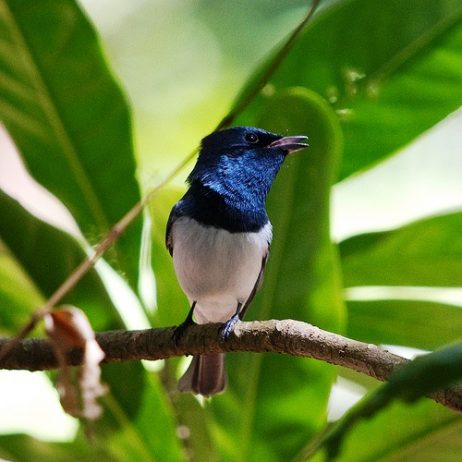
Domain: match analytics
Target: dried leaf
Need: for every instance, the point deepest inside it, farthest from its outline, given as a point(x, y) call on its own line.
point(79, 388)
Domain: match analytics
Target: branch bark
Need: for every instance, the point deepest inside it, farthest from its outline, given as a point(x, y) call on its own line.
point(290, 337)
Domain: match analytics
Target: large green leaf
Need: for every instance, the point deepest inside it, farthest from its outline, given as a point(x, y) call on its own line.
point(424, 253)
point(424, 432)
point(274, 403)
point(146, 421)
point(418, 378)
point(392, 68)
point(45, 256)
point(23, 448)
point(413, 323)
point(18, 295)
point(68, 117)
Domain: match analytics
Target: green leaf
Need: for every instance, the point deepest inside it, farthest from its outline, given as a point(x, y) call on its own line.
point(195, 422)
point(274, 403)
point(144, 416)
point(68, 117)
point(45, 256)
point(393, 70)
point(23, 448)
point(412, 323)
point(147, 435)
point(423, 253)
point(71, 124)
point(422, 376)
point(424, 432)
point(18, 295)
point(426, 374)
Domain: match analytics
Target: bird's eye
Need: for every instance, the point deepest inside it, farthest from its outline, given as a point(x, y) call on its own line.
point(251, 138)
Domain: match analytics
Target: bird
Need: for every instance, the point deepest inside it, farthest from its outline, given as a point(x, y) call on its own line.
point(219, 236)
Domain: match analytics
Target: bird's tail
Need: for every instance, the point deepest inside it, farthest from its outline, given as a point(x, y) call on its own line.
point(205, 375)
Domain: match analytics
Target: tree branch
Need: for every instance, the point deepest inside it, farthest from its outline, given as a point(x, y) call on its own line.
point(294, 338)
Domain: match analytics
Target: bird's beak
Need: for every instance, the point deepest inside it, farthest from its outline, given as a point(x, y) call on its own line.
point(290, 143)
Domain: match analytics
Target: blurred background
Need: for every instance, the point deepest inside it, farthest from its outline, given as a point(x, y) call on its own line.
point(181, 65)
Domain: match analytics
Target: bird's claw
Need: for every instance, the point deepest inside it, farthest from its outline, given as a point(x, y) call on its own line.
point(228, 327)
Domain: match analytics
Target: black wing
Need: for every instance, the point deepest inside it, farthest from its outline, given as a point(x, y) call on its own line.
point(256, 286)
point(174, 214)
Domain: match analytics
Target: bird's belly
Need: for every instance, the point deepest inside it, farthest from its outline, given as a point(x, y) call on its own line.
point(216, 268)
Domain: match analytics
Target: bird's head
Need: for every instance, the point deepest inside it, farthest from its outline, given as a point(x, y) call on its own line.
point(240, 163)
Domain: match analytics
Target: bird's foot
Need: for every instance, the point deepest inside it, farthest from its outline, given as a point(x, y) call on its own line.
point(228, 326)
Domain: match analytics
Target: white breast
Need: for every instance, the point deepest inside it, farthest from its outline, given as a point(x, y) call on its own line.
point(216, 268)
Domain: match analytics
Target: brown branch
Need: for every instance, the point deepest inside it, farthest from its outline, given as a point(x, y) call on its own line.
point(294, 338)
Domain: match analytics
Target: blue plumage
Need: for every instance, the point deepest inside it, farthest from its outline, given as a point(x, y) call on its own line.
point(219, 234)
point(238, 165)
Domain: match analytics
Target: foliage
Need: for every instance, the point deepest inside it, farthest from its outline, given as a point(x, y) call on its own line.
point(420, 377)
point(363, 80)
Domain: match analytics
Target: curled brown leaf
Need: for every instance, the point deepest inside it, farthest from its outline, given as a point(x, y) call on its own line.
point(79, 388)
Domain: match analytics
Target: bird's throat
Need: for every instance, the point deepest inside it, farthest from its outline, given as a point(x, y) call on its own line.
point(225, 209)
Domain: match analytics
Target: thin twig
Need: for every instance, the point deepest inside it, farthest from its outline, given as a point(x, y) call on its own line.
point(288, 337)
point(267, 73)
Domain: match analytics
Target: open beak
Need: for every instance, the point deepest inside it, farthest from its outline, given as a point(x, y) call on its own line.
point(290, 143)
